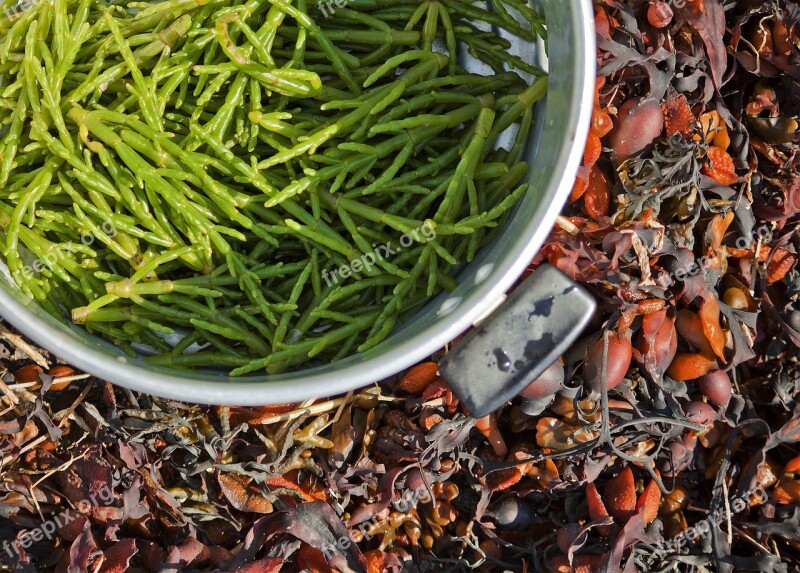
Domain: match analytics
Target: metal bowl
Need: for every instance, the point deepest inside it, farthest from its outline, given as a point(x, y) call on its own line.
point(554, 155)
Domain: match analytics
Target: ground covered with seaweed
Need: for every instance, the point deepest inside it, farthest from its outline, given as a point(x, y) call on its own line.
point(667, 439)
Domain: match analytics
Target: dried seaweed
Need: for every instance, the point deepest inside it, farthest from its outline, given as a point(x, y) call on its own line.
point(687, 380)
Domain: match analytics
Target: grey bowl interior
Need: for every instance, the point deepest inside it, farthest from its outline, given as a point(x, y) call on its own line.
point(554, 155)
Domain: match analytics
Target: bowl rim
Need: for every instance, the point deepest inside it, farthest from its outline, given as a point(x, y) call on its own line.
point(360, 370)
